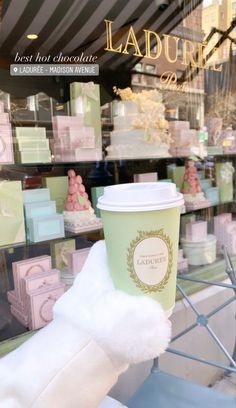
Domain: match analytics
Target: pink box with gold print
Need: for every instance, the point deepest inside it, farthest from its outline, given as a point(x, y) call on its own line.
point(43, 280)
point(40, 304)
point(29, 267)
point(76, 260)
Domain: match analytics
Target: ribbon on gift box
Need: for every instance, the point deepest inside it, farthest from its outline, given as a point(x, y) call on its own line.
point(87, 90)
point(226, 172)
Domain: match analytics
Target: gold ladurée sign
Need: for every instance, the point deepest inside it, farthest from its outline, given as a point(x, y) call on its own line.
point(192, 51)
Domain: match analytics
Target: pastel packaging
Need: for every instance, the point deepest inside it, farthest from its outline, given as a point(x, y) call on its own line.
point(36, 195)
point(196, 231)
point(145, 177)
point(39, 281)
point(60, 251)
point(11, 213)
point(41, 302)
point(77, 259)
point(45, 228)
point(29, 267)
point(40, 209)
point(58, 187)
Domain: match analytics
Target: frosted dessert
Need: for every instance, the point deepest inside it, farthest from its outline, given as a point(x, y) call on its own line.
point(140, 128)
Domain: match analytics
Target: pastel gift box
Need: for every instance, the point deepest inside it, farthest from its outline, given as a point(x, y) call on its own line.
point(64, 122)
point(60, 252)
point(85, 100)
point(4, 118)
point(145, 177)
point(34, 156)
point(85, 137)
point(184, 220)
point(205, 184)
point(18, 305)
point(58, 190)
point(230, 237)
point(26, 144)
point(196, 231)
point(224, 181)
point(184, 137)
point(39, 209)
point(79, 154)
point(76, 260)
point(201, 252)
point(28, 268)
point(36, 195)
point(31, 132)
point(39, 281)
point(6, 149)
point(176, 173)
point(11, 213)
point(182, 263)
point(179, 124)
point(22, 318)
point(212, 194)
point(40, 304)
point(1, 106)
point(96, 192)
point(45, 228)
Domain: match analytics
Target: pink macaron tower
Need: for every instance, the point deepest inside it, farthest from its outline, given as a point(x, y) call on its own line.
point(77, 199)
point(79, 216)
point(191, 189)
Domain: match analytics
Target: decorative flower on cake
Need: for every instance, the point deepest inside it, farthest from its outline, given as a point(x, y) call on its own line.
point(152, 114)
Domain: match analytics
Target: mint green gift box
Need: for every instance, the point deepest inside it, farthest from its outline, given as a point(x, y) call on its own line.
point(85, 100)
point(11, 213)
point(58, 187)
point(176, 174)
point(224, 181)
point(96, 192)
point(141, 228)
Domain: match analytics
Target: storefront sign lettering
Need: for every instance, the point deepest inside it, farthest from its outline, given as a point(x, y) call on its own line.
point(192, 51)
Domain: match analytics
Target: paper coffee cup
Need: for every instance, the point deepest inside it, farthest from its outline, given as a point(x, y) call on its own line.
point(141, 228)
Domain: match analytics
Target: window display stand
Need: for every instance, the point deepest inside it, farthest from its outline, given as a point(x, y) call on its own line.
point(162, 389)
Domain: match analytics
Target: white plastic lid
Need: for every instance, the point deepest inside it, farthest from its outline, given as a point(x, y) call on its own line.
point(140, 197)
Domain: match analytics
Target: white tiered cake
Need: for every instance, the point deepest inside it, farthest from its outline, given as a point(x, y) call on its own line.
point(140, 128)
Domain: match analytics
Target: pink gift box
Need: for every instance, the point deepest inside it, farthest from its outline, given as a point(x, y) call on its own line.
point(6, 148)
point(184, 138)
point(76, 260)
point(178, 124)
point(22, 318)
point(79, 154)
point(4, 118)
point(41, 304)
point(196, 231)
point(72, 137)
point(13, 300)
point(29, 267)
point(32, 283)
point(145, 177)
point(63, 122)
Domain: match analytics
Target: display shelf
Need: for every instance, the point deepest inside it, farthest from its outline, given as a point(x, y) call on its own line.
point(67, 235)
point(209, 206)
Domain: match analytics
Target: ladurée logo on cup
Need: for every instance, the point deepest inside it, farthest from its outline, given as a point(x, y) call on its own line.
point(149, 260)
